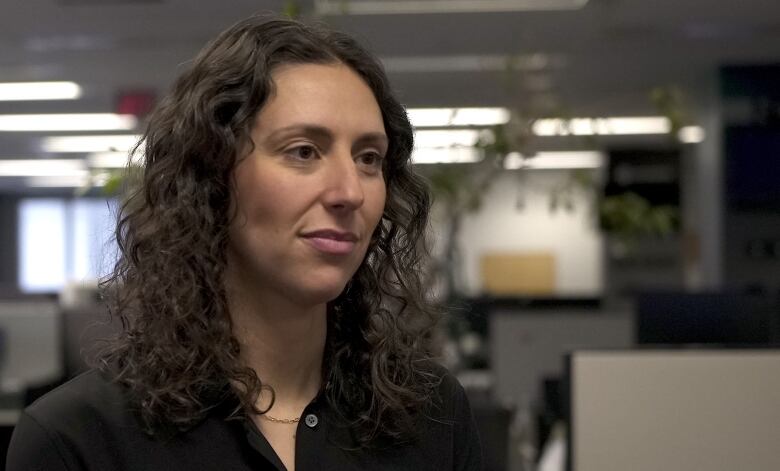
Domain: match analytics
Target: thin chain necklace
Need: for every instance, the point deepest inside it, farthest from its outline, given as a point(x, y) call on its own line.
point(281, 421)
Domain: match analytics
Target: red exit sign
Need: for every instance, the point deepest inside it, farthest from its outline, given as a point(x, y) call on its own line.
point(136, 103)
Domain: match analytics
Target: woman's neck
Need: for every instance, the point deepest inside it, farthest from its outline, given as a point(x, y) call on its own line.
point(284, 343)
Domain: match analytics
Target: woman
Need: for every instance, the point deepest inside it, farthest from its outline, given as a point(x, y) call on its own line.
point(268, 282)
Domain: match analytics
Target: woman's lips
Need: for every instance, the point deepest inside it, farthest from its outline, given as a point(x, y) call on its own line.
point(332, 242)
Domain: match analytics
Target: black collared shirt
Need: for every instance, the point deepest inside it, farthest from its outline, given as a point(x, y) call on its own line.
point(86, 425)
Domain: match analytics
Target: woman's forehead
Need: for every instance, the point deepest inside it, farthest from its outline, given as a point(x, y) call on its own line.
point(329, 95)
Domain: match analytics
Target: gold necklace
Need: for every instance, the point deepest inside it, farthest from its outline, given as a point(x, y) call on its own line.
point(281, 421)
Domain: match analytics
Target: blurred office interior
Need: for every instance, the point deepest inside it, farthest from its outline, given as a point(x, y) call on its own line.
point(606, 176)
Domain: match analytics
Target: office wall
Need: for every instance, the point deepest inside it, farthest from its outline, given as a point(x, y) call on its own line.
point(516, 217)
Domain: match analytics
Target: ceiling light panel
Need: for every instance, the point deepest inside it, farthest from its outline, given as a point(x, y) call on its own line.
point(31, 91)
point(114, 159)
point(555, 160)
point(454, 155)
point(602, 126)
point(86, 144)
point(407, 7)
point(431, 139)
point(67, 122)
point(446, 146)
point(59, 181)
point(445, 117)
point(41, 167)
point(474, 63)
point(691, 134)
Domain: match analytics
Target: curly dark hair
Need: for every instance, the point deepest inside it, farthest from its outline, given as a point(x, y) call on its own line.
point(177, 355)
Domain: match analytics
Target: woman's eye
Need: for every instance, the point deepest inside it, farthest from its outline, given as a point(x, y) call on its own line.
point(302, 152)
point(371, 159)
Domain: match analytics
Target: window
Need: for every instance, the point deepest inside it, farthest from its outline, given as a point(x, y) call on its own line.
point(64, 240)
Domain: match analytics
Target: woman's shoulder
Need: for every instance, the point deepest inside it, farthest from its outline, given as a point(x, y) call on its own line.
point(447, 382)
point(82, 417)
point(450, 420)
point(448, 396)
point(91, 395)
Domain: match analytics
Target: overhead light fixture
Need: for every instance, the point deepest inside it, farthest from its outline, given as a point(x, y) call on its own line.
point(59, 181)
point(41, 167)
point(455, 155)
point(30, 91)
point(86, 180)
point(67, 122)
point(406, 7)
point(555, 160)
point(602, 126)
point(532, 62)
point(444, 117)
point(691, 134)
point(432, 139)
point(114, 159)
point(86, 144)
point(446, 146)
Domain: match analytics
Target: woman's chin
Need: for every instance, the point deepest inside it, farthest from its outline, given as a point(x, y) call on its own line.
point(320, 294)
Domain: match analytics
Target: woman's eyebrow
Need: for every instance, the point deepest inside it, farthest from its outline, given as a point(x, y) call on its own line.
point(322, 133)
point(373, 138)
point(313, 130)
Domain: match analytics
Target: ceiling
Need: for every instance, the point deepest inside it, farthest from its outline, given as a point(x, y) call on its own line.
point(600, 60)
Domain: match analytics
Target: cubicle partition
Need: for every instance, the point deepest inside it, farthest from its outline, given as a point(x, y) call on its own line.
point(32, 348)
point(674, 410)
point(30, 356)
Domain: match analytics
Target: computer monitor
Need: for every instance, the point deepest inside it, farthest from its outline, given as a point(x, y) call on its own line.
point(674, 410)
point(670, 318)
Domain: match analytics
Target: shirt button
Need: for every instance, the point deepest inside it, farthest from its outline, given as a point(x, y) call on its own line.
point(311, 420)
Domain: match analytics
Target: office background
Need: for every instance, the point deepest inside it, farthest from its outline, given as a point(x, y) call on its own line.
point(623, 157)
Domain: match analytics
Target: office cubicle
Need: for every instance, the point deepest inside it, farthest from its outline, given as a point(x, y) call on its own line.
point(674, 410)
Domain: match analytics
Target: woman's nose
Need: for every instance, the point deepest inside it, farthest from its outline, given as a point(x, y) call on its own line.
point(344, 184)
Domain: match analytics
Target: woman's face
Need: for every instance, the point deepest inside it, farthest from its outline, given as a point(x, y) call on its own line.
point(311, 192)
